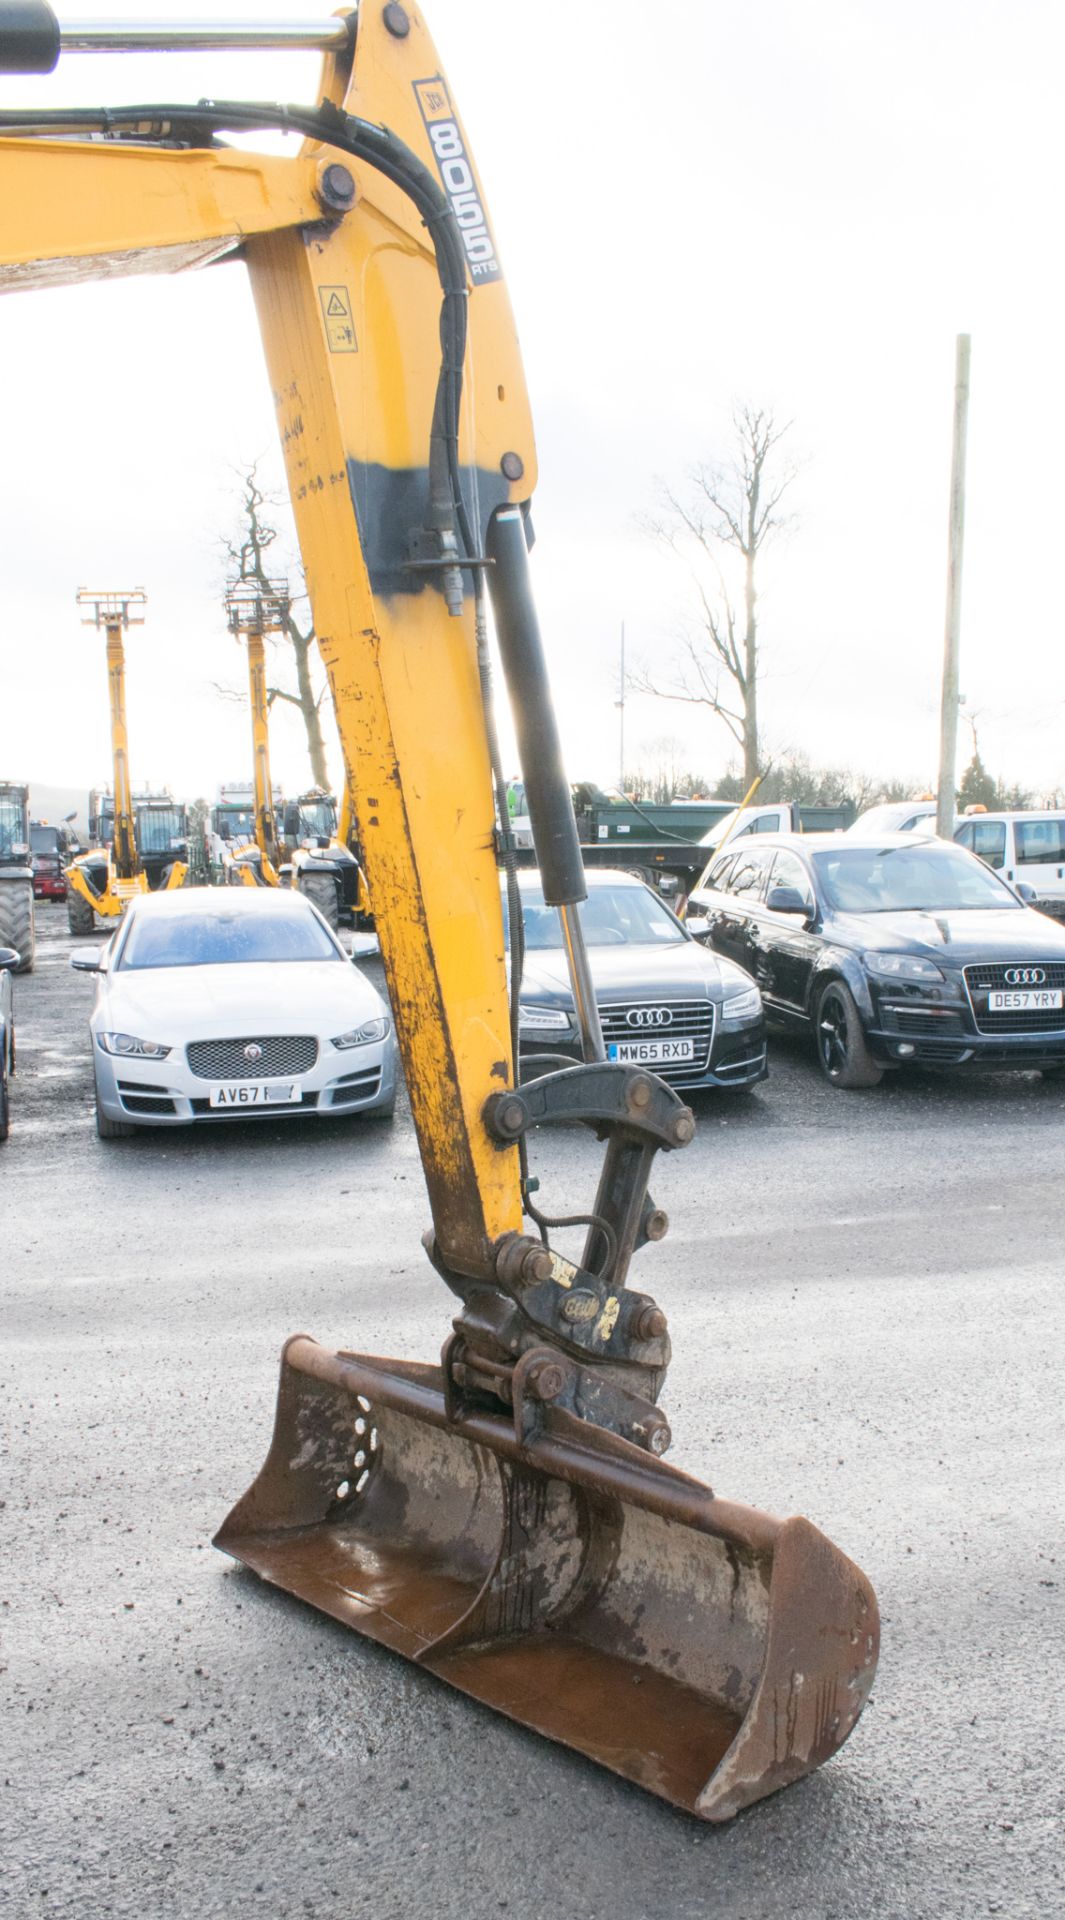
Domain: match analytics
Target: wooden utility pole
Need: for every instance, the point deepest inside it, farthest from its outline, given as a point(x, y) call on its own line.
point(948, 724)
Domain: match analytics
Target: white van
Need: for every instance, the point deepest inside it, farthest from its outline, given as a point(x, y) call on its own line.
point(782, 818)
point(1022, 847)
point(897, 816)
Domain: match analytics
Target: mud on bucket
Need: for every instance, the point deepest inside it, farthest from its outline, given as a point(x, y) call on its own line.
point(702, 1649)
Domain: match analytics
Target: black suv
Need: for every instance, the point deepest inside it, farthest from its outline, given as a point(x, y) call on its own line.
point(892, 951)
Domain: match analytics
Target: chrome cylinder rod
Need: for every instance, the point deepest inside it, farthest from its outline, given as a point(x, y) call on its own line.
point(203, 36)
point(580, 974)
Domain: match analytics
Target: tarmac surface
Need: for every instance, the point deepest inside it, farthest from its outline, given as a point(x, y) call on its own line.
point(867, 1314)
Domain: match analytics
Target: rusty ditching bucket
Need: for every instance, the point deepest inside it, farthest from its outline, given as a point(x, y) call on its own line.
point(704, 1650)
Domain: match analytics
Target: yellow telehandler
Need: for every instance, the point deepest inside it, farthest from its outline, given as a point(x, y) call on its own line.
point(254, 611)
point(303, 849)
point(130, 858)
point(503, 1518)
point(321, 856)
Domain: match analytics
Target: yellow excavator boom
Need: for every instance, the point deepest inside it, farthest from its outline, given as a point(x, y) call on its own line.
point(503, 1518)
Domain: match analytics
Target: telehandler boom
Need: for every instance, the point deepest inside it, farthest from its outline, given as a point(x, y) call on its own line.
point(106, 878)
point(504, 1518)
point(253, 612)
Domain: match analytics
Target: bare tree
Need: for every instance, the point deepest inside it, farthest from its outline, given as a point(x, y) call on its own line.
point(727, 510)
point(248, 555)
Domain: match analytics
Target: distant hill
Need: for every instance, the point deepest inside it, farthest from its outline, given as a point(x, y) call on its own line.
point(54, 803)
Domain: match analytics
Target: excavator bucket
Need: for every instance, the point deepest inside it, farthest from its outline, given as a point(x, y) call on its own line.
point(704, 1650)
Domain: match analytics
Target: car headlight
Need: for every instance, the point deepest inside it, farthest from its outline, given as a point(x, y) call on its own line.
point(742, 1006)
point(128, 1045)
point(543, 1019)
point(363, 1036)
point(902, 966)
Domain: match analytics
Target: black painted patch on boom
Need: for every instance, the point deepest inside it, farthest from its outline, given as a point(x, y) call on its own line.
point(391, 503)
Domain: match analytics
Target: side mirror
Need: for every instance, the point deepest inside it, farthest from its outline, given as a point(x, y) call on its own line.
point(788, 900)
point(698, 926)
point(87, 960)
point(9, 959)
point(1028, 894)
point(364, 946)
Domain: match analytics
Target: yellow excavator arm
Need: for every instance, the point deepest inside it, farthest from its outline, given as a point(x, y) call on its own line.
point(503, 1518)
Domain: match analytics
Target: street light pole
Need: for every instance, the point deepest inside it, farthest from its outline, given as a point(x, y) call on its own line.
point(948, 724)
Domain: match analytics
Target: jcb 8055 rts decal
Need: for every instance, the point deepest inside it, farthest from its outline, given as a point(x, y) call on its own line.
point(449, 151)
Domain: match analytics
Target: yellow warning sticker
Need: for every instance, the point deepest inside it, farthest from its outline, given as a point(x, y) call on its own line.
point(336, 312)
point(562, 1271)
point(608, 1318)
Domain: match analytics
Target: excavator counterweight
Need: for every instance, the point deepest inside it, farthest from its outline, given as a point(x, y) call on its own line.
point(504, 1518)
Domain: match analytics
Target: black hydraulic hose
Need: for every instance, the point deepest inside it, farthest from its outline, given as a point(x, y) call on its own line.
point(363, 140)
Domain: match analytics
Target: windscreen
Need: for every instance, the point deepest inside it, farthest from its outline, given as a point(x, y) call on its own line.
point(12, 827)
point(158, 828)
point(886, 819)
point(223, 939)
point(928, 877)
point(716, 834)
point(318, 820)
point(611, 917)
point(44, 840)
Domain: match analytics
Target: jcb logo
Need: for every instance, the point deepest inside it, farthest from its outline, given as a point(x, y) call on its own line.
point(457, 176)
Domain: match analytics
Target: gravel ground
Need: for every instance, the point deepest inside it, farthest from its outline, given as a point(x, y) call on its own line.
point(866, 1304)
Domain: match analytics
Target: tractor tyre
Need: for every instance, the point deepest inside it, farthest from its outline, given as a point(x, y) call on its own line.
point(80, 916)
point(17, 924)
point(321, 890)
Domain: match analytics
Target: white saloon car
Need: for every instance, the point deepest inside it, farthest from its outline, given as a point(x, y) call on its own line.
point(232, 1002)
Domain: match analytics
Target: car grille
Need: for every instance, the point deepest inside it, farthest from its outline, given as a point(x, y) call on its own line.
point(992, 979)
point(225, 1059)
point(690, 1019)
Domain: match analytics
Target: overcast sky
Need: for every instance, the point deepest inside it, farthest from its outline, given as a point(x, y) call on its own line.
point(696, 204)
